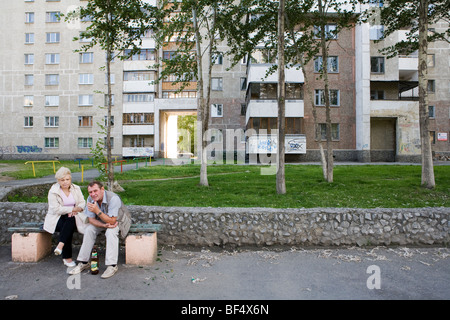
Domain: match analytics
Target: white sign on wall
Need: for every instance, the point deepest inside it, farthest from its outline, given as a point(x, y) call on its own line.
point(294, 144)
point(138, 152)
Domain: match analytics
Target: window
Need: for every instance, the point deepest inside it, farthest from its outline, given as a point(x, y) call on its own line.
point(294, 91)
point(376, 32)
point(330, 31)
point(431, 112)
point(52, 16)
point(320, 97)
point(217, 58)
point(217, 84)
point(138, 76)
point(106, 100)
point(217, 110)
point(185, 77)
point(29, 17)
point(51, 101)
point(29, 38)
point(86, 57)
point(83, 39)
point(29, 79)
point(143, 55)
point(433, 137)
point(51, 122)
point(51, 79)
point(85, 121)
point(112, 78)
point(243, 109)
point(106, 121)
point(169, 55)
point(86, 78)
point(29, 58)
point(431, 86)
point(376, 95)
point(84, 143)
point(52, 37)
point(243, 83)
point(85, 100)
point(138, 118)
point(335, 131)
point(28, 101)
point(263, 91)
point(431, 60)
point(182, 94)
point(138, 97)
point(376, 3)
point(260, 56)
point(51, 142)
point(111, 140)
point(216, 135)
point(332, 65)
point(377, 64)
point(52, 58)
point(28, 122)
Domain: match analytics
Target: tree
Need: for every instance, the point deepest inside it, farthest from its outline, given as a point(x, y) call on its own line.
point(193, 24)
point(116, 26)
point(404, 14)
point(281, 94)
point(306, 36)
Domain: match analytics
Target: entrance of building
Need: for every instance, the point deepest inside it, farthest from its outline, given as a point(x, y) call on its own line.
point(177, 132)
point(383, 139)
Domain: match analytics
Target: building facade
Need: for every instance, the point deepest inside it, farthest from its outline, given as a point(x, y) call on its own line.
point(52, 98)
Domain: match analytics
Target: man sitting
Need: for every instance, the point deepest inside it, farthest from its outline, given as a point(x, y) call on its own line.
point(106, 212)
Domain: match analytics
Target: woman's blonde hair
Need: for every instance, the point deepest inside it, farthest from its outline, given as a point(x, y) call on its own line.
point(62, 172)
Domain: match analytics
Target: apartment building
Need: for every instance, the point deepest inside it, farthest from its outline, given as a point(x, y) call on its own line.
point(51, 98)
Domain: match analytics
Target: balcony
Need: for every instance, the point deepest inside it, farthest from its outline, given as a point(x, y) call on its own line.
point(138, 129)
point(139, 86)
point(257, 73)
point(408, 67)
point(139, 107)
point(394, 108)
point(269, 108)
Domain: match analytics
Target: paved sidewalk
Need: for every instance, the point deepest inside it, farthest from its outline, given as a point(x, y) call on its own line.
point(259, 274)
point(247, 274)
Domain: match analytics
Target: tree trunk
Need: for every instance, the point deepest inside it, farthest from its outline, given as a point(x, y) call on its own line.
point(281, 183)
point(306, 91)
point(427, 157)
point(110, 171)
point(203, 109)
point(323, 43)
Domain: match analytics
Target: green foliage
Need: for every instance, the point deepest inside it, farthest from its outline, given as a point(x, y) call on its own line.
point(404, 15)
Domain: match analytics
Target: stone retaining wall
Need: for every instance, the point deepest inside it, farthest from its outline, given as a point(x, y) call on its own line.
point(265, 226)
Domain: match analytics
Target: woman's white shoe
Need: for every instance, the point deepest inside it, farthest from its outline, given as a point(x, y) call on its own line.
point(69, 264)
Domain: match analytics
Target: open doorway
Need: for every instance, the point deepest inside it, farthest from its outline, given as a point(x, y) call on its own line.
point(178, 134)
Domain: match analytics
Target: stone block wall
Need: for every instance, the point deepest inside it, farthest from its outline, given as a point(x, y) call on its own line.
point(267, 227)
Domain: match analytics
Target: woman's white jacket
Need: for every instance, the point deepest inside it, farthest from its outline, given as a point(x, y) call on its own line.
point(56, 208)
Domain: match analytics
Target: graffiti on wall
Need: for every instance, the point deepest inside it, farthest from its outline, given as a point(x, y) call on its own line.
point(20, 149)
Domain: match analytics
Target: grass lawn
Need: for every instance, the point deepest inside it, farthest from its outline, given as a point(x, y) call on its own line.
point(362, 186)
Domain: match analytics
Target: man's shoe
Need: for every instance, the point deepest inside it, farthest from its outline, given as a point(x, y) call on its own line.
point(79, 268)
point(109, 272)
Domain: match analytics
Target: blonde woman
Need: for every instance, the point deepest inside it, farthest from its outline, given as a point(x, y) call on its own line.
point(65, 212)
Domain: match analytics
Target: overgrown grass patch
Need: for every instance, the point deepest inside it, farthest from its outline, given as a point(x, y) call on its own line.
point(363, 186)
point(354, 186)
